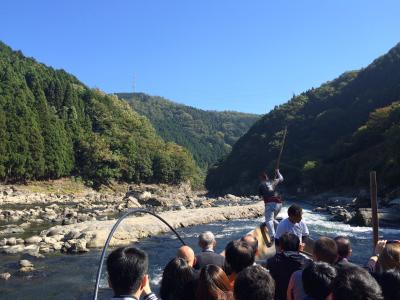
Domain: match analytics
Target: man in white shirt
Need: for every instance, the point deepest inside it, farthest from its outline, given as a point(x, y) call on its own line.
point(293, 224)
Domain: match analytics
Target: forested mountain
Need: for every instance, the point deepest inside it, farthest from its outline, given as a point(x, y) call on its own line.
point(52, 125)
point(208, 135)
point(337, 133)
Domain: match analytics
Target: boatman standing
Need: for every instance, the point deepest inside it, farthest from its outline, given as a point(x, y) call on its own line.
point(272, 200)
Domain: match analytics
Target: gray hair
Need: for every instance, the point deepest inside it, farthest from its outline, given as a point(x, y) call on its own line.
point(206, 239)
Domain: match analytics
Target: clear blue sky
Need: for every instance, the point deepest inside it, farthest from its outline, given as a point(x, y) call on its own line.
point(212, 54)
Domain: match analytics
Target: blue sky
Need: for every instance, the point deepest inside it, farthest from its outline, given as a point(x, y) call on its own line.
point(213, 54)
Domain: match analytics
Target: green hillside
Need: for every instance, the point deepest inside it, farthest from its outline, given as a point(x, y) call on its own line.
point(208, 135)
point(52, 125)
point(336, 134)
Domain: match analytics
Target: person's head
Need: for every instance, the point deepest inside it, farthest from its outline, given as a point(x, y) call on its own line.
point(390, 257)
point(325, 249)
point(390, 283)
point(239, 255)
point(344, 246)
point(353, 282)
point(295, 213)
point(187, 254)
point(127, 270)
point(176, 276)
point(207, 240)
point(289, 242)
point(254, 283)
point(317, 278)
point(213, 283)
point(252, 241)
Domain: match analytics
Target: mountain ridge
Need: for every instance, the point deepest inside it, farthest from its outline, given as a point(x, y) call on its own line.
point(207, 134)
point(319, 122)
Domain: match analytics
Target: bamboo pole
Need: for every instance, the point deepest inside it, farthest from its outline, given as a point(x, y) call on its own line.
point(278, 162)
point(374, 207)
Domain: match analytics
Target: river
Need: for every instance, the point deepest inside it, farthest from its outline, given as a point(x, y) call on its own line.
point(60, 276)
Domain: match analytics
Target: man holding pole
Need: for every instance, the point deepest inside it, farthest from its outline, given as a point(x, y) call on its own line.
point(272, 200)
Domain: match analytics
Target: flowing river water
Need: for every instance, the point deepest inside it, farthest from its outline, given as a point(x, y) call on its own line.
point(60, 276)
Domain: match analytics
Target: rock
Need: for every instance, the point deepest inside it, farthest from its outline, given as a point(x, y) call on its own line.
point(144, 196)
point(73, 234)
point(54, 231)
point(12, 229)
point(386, 216)
point(67, 221)
point(26, 269)
point(75, 246)
point(25, 263)
point(46, 249)
point(3, 242)
point(8, 192)
point(341, 215)
point(57, 246)
point(132, 202)
point(33, 240)
point(231, 197)
point(49, 240)
point(32, 247)
point(13, 249)
point(20, 241)
point(5, 276)
point(11, 241)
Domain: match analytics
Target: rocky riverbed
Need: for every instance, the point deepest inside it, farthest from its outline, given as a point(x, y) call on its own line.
point(40, 223)
point(355, 208)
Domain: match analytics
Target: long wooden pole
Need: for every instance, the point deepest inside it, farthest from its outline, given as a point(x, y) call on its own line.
point(278, 162)
point(374, 207)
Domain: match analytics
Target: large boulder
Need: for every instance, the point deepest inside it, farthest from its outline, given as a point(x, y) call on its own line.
point(386, 216)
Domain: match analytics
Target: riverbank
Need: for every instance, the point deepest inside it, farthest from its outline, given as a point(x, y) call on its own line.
point(46, 219)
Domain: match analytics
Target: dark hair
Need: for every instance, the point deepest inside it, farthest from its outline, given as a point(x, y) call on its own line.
point(317, 278)
point(343, 246)
point(239, 255)
point(176, 277)
point(213, 284)
point(390, 257)
point(390, 282)
point(254, 283)
point(253, 243)
point(325, 249)
point(295, 210)
point(353, 282)
point(126, 267)
point(289, 242)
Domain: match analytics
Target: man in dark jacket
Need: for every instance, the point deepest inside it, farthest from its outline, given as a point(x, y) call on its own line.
point(284, 263)
point(207, 244)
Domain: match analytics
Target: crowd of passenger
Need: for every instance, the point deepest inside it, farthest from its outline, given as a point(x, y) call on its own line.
point(326, 273)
